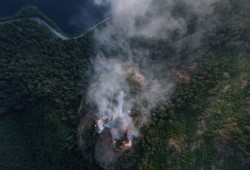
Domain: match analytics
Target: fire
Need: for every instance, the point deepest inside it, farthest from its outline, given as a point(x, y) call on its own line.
point(100, 125)
point(128, 144)
point(129, 113)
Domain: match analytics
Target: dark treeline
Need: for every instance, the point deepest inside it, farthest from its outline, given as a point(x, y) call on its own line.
point(39, 82)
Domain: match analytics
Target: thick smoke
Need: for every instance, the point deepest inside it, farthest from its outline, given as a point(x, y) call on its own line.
point(115, 98)
point(127, 83)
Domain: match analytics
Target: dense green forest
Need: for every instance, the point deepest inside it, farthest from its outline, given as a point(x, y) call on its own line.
point(29, 12)
point(40, 93)
point(205, 124)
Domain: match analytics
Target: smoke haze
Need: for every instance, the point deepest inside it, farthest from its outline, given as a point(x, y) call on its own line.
point(126, 78)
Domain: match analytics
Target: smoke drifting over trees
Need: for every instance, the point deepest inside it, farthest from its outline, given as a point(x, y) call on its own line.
point(164, 84)
point(145, 20)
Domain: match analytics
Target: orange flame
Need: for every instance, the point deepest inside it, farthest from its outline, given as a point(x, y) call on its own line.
point(100, 125)
point(128, 144)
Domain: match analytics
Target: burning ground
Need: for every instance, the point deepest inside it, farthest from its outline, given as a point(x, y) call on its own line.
point(166, 86)
point(141, 54)
point(130, 76)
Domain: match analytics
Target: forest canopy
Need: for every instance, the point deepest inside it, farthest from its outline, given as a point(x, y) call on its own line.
point(202, 124)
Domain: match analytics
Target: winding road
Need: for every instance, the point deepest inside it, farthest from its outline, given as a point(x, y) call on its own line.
point(54, 31)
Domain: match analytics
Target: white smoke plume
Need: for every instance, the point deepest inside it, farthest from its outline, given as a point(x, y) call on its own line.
point(111, 91)
point(125, 78)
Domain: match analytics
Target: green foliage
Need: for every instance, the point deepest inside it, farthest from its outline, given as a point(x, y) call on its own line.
point(30, 12)
point(39, 82)
point(14, 151)
point(191, 137)
point(204, 126)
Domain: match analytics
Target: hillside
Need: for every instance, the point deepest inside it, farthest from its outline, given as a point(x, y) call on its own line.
point(46, 114)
